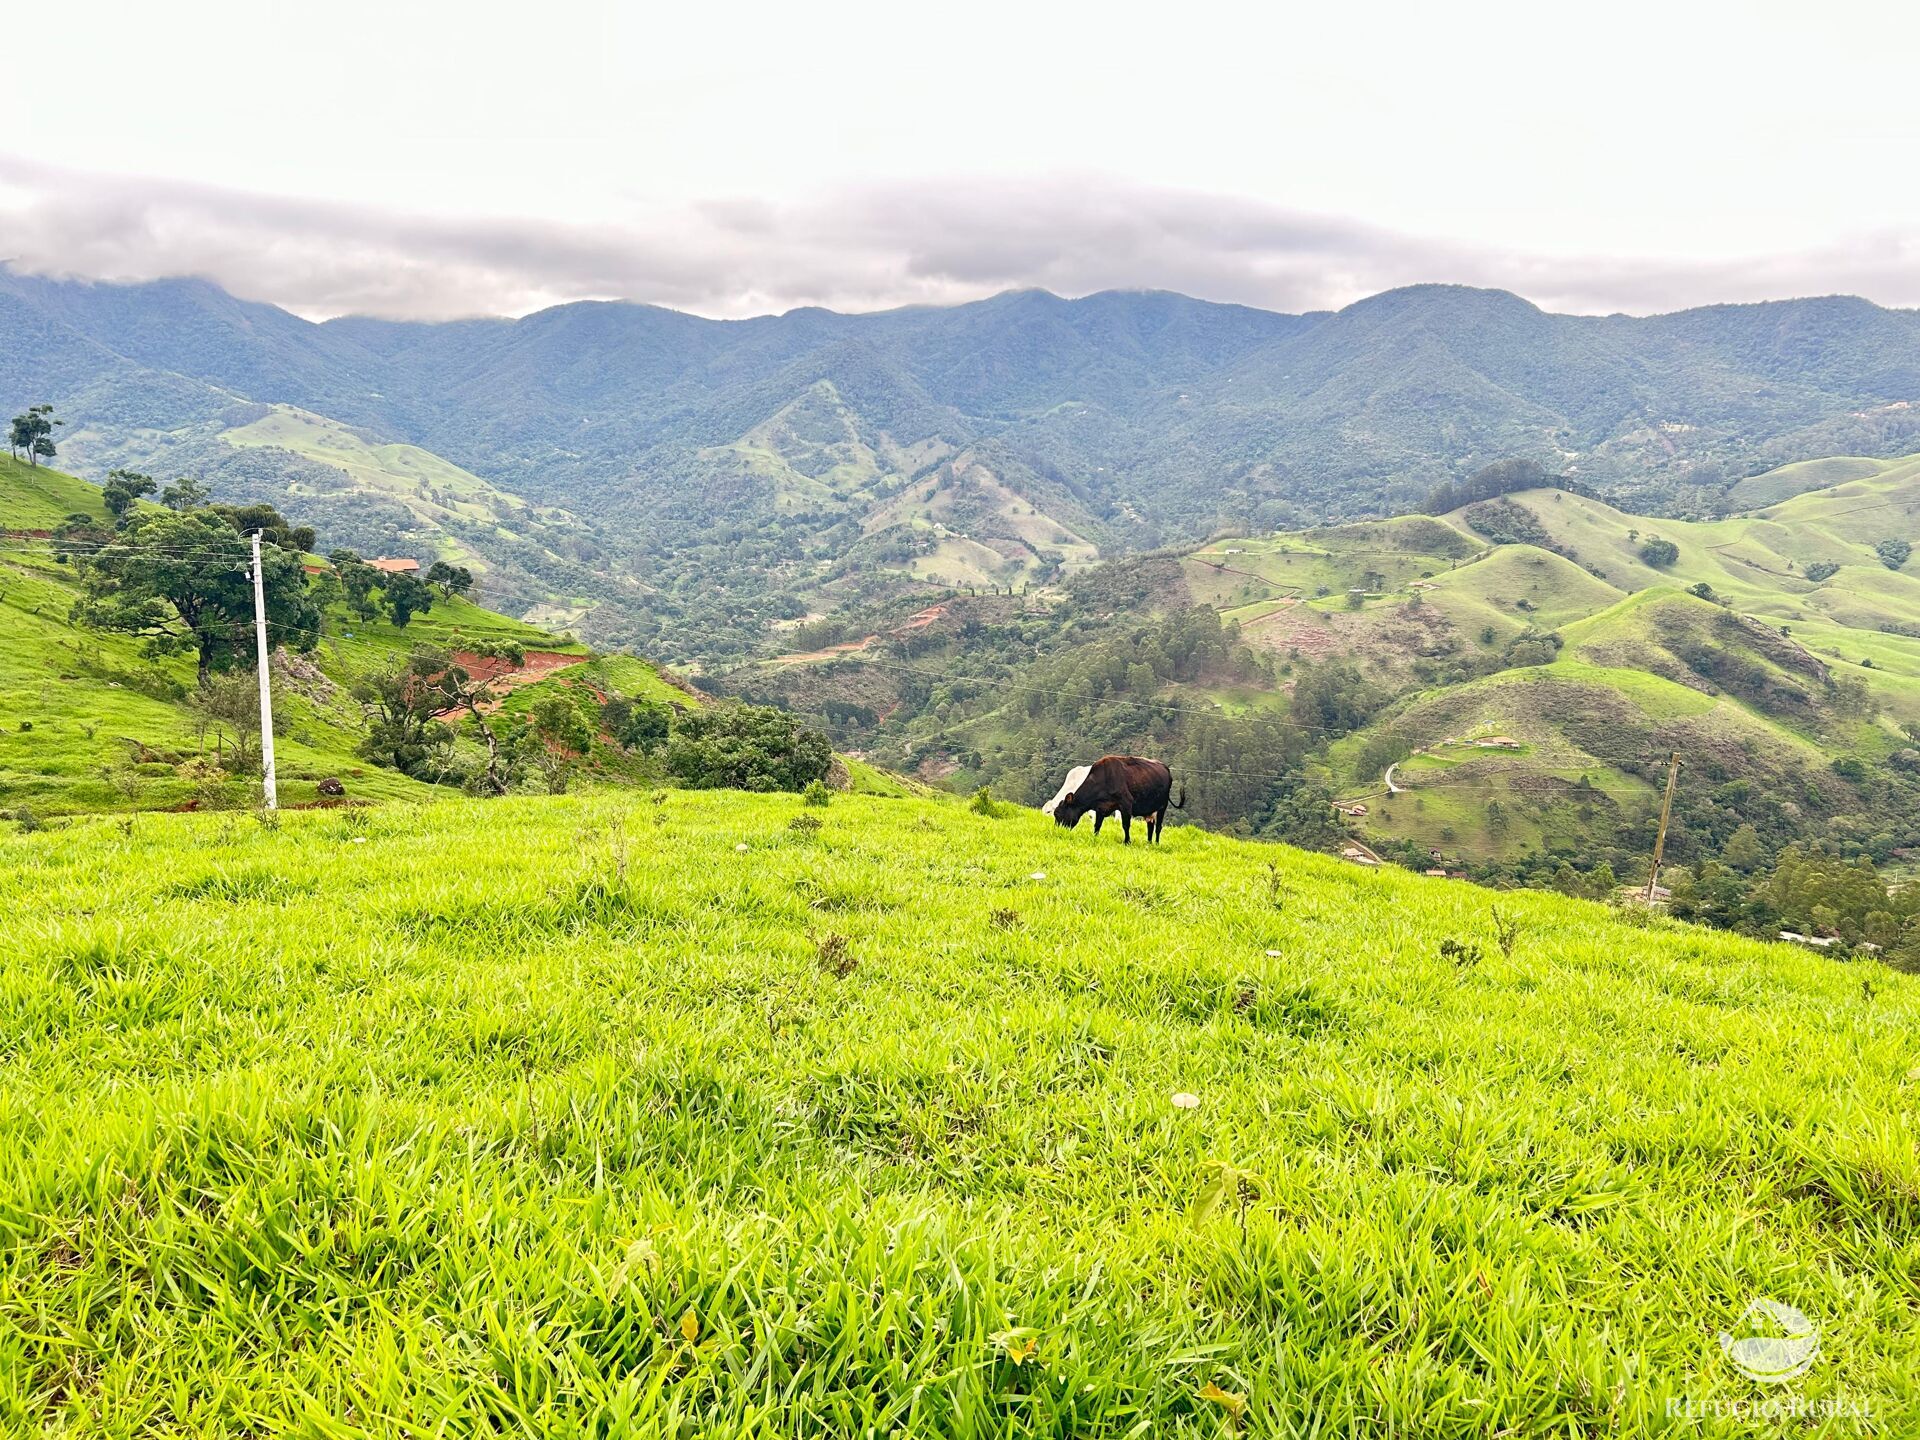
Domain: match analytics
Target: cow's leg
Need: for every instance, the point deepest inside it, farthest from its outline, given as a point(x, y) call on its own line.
point(1126, 827)
point(1099, 819)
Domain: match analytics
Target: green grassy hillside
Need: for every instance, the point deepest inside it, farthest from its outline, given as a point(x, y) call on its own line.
point(725, 1115)
point(88, 723)
point(1543, 617)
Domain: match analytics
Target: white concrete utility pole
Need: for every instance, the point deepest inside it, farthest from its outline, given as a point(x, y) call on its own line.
point(266, 689)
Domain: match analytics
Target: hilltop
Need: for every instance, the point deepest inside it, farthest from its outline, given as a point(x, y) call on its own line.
point(677, 484)
point(570, 1113)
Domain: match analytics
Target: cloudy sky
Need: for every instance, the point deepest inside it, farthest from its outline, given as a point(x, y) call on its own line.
point(428, 160)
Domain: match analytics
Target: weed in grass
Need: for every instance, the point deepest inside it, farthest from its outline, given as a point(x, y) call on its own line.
point(804, 825)
point(836, 956)
point(1005, 919)
point(1463, 953)
point(1506, 930)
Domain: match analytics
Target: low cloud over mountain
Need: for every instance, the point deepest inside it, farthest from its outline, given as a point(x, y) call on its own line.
point(863, 248)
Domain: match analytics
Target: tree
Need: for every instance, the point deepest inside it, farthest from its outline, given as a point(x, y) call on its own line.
point(406, 596)
point(274, 527)
point(185, 493)
point(404, 729)
point(184, 582)
point(452, 579)
point(1893, 553)
point(746, 747)
point(556, 735)
point(1659, 553)
point(1743, 850)
point(407, 706)
point(641, 725)
point(357, 582)
point(122, 489)
point(31, 434)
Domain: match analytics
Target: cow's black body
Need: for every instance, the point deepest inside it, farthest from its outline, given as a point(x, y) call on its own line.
point(1123, 785)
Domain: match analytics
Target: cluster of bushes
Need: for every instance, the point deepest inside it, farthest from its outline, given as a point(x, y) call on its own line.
point(418, 712)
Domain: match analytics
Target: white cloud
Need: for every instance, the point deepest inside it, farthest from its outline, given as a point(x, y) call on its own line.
point(853, 247)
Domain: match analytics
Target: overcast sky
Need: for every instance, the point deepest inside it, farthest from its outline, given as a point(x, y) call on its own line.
point(427, 160)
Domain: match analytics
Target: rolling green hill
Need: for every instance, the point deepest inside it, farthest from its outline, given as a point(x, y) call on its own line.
point(1778, 651)
point(92, 723)
point(1748, 650)
point(732, 1115)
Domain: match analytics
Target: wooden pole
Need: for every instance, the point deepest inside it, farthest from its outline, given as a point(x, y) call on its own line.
point(1660, 840)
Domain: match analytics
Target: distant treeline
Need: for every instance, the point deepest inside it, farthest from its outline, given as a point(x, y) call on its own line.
point(1503, 477)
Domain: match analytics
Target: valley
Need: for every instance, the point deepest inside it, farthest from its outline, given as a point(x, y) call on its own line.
point(676, 485)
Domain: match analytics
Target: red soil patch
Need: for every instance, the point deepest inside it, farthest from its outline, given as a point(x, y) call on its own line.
point(920, 619)
point(504, 676)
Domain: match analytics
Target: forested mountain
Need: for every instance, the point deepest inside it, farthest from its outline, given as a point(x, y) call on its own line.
point(697, 480)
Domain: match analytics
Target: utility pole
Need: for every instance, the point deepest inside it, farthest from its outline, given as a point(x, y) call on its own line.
point(1660, 840)
point(266, 689)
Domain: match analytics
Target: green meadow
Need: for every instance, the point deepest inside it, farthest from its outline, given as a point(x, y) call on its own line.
point(703, 1114)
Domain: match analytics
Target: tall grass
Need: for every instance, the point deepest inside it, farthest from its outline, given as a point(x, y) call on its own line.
point(571, 1117)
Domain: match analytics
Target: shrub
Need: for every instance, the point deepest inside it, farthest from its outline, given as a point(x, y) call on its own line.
point(983, 803)
point(641, 725)
point(817, 793)
point(746, 747)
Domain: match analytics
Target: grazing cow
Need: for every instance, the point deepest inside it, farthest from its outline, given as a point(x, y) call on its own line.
point(1123, 785)
point(1074, 777)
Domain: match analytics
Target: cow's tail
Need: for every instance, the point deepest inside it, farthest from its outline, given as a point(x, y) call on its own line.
point(1181, 803)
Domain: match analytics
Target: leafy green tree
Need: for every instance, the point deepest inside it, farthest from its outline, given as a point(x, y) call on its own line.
point(274, 527)
point(408, 705)
point(122, 490)
point(1743, 850)
point(641, 725)
point(1821, 570)
point(452, 580)
point(405, 597)
point(1893, 553)
point(1332, 698)
point(184, 582)
point(31, 434)
point(358, 580)
point(746, 747)
point(185, 493)
point(402, 712)
point(557, 734)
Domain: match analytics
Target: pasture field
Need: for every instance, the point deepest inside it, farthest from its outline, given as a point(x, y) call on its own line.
point(702, 1114)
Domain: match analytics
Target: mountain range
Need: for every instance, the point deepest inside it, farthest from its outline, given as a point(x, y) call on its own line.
point(681, 483)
